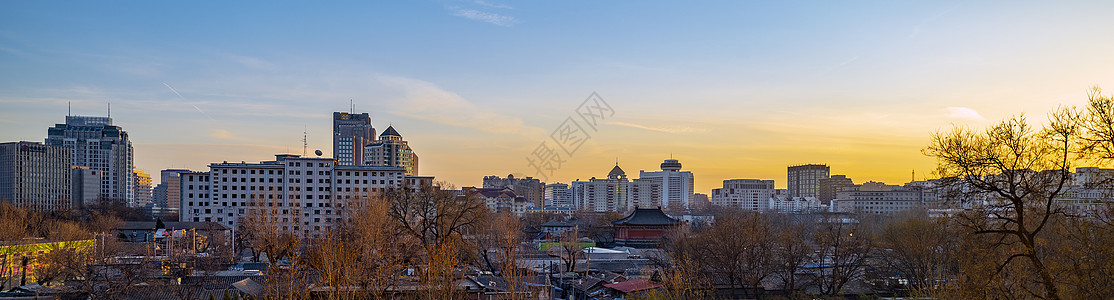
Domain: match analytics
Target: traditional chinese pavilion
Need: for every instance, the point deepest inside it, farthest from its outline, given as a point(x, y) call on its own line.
point(644, 228)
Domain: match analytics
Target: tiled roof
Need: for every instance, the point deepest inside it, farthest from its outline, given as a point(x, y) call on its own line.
point(647, 216)
point(633, 285)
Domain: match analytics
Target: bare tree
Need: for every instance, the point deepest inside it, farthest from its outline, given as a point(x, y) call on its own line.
point(842, 252)
point(569, 249)
point(923, 251)
point(1021, 171)
point(792, 250)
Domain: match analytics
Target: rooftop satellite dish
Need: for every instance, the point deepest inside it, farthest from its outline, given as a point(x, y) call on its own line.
point(318, 152)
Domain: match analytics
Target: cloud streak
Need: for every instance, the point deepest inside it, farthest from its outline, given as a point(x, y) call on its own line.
point(486, 17)
point(657, 129)
point(964, 113)
point(426, 101)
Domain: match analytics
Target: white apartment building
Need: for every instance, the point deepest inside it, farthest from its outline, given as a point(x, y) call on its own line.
point(602, 195)
point(745, 194)
point(644, 193)
point(300, 195)
point(558, 195)
point(878, 198)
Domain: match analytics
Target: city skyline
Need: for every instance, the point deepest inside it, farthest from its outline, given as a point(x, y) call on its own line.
point(739, 92)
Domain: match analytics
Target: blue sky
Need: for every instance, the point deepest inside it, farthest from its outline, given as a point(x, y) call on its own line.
point(732, 89)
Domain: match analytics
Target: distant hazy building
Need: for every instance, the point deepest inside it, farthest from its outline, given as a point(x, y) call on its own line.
point(558, 195)
point(99, 145)
point(86, 185)
point(781, 202)
point(602, 195)
point(804, 180)
point(391, 151)
point(878, 198)
point(167, 195)
point(676, 185)
point(303, 196)
point(142, 188)
point(500, 200)
point(832, 185)
point(36, 176)
point(745, 194)
point(351, 132)
point(644, 193)
point(700, 201)
point(530, 188)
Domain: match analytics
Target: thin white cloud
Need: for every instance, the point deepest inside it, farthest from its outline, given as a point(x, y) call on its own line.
point(486, 17)
point(677, 129)
point(426, 101)
point(957, 112)
point(492, 5)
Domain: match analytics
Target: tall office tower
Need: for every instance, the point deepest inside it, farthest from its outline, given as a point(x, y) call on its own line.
point(351, 132)
point(86, 185)
point(99, 145)
point(142, 189)
point(676, 185)
point(804, 180)
point(745, 194)
point(36, 176)
point(391, 151)
point(558, 195)
point(830, 186)
point(302, 196)
point(530, 188)
point(603, 195)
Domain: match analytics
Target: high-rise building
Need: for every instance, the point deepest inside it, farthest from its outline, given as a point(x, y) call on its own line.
point(304, 196)
point(558, 195)
point(745, 194)
point(36, 176)
point(351, 132)
point(391, 151)
point(99, 145)
point(644, 193)
point(832, 185)
point(804, 180)
point(167, 196)
point(676, 185)
point(530, 188)
point(142, 187)
point(603, 195)
point(86, 185)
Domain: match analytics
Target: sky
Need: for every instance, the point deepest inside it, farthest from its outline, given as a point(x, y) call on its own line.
point(738, 89)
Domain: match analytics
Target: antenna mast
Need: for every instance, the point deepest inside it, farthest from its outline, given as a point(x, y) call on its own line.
point(351, 106)
point(110, 110)
point(305, 140)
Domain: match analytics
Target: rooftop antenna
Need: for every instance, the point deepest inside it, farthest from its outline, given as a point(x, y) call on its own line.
point(110, 110)
point(305, 140)
point(351, 106)
point(69, 108)
point(914, 178)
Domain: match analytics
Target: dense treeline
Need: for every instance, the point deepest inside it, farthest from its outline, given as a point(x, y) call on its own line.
point(749, 255)
point(19, 225)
